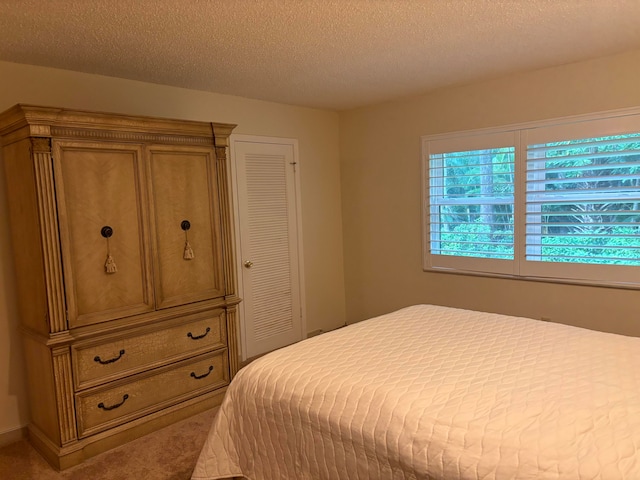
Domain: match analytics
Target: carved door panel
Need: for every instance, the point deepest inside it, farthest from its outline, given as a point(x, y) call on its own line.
point(185, 218)
point(101, 201)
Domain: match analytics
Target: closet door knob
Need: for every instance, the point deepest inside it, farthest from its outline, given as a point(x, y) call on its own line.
point(248, 264)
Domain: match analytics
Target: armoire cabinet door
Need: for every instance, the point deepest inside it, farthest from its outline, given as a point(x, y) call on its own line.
point(101, 206)
point(185, 219)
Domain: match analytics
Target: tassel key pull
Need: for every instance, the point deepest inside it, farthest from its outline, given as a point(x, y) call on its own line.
point(109, 264)
point(188, 251)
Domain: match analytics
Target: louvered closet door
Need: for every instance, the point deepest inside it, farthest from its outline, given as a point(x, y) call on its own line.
point(268, 246)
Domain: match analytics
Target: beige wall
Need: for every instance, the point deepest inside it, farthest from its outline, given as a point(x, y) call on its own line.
point(381, 194)
point(317, 134)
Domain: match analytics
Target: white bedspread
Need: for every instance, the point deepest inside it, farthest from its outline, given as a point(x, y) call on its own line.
point(432, 392)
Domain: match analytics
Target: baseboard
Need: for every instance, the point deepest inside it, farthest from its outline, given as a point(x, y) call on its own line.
point(12, 436)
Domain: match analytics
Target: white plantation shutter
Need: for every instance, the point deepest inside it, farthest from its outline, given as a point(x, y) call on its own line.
point(468, 203)
point(585, 200)
point(471, 203)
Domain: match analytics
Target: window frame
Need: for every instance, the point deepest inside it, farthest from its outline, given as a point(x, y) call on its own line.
point(607, 123)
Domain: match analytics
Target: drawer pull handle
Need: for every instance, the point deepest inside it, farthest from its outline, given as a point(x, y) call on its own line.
point(198, 337)
point(124, 399)
point(198, 377)
point(111, 360)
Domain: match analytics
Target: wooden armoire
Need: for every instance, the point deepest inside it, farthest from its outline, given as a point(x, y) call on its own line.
point(122, 235)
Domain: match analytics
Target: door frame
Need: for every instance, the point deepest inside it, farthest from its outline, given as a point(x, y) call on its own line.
point(243, 138)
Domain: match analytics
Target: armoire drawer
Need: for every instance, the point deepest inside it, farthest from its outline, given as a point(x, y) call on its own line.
point(107, 406)
point(97, 363)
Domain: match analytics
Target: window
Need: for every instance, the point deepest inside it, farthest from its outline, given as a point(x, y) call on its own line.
point(555, 200)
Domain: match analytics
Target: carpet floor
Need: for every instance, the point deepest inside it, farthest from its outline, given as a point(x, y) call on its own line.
point(167, 454)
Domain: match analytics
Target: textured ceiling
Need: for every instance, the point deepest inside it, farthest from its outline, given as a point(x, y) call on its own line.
point(335, 54)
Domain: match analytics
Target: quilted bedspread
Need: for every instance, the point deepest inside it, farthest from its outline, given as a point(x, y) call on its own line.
point(432, 392)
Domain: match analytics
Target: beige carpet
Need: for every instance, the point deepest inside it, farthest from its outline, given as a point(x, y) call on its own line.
point(168, 454)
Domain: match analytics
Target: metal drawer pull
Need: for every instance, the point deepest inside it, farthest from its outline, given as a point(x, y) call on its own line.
point(111, 360)
point(193, 374)
point(124, 399)
point(198, 337)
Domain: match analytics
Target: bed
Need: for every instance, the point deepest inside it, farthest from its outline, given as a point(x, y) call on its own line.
point(431, 392)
